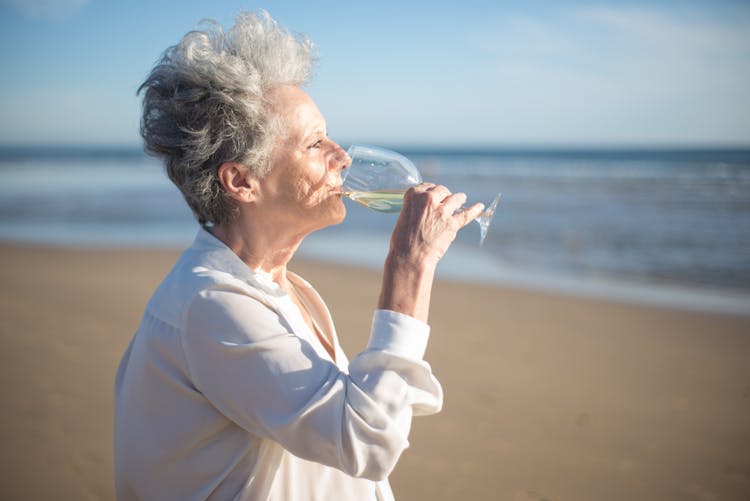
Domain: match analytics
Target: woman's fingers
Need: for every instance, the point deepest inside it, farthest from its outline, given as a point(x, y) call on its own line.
point(465, 216)
point(454, 202)
point(436, 194)
point(429, 221)
point(434, 191)
point(421, 187)
point(449, 204)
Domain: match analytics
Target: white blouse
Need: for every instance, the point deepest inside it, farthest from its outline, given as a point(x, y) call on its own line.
point(225, 393)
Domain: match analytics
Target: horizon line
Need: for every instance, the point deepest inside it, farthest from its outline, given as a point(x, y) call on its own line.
point(422, 146)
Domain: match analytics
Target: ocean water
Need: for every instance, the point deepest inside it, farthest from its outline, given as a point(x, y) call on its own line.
point(665, 227)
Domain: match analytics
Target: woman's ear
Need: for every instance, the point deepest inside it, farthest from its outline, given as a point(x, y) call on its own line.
point(238, 181)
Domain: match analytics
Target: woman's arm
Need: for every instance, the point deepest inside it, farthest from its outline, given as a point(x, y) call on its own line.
point(247, 361)
point(424, 231)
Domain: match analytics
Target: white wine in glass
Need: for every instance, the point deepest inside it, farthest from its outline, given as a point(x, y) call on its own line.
point(379, 200)
point(378, 179)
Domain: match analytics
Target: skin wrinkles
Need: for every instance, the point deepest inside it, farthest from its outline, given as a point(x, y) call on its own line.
point(304, 185)
point(302, 193)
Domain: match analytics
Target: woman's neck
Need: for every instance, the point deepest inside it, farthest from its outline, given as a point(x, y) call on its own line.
point(261, 247)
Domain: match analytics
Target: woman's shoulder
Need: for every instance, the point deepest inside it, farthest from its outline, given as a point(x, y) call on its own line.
point(196, 276)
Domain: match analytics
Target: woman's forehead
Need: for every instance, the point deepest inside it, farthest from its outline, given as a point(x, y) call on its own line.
point(307, 119)
point(297, 111)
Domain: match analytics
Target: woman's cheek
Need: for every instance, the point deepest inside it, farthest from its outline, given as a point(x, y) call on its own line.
point(300, 190)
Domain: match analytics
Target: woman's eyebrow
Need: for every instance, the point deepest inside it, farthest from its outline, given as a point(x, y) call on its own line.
point(315, 130)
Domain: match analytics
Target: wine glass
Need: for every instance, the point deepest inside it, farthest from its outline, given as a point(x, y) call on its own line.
point(378, 179)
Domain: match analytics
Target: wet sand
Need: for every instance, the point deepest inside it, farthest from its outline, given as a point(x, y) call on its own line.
point(546, 396)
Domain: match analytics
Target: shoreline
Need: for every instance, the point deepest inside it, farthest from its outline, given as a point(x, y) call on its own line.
point(470, 266)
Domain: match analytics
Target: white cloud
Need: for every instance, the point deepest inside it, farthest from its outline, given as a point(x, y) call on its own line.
point(46, 9)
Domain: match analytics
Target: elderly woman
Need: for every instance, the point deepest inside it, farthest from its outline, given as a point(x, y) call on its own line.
point(235, 385)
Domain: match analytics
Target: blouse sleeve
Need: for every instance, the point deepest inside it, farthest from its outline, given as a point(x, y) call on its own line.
point(248, 363)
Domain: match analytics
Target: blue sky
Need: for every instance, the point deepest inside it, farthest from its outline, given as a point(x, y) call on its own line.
point(486, 73)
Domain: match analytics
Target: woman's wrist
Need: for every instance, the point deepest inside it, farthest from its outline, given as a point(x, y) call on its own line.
point(407, 284)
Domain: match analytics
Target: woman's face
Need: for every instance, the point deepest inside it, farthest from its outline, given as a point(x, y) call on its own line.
point(302, 190)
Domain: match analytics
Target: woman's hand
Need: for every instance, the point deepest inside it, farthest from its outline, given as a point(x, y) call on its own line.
point(428, 224)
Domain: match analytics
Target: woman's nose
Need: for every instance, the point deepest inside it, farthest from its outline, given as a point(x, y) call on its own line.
point(341, 159)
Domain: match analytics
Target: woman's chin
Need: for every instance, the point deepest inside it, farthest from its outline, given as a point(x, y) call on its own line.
point(330, 217)
point(340, 215)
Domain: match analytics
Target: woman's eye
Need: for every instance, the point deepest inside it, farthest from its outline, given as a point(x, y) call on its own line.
point(316, 144)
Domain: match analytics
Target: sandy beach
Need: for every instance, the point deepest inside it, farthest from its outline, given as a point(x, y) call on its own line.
point(546, 396)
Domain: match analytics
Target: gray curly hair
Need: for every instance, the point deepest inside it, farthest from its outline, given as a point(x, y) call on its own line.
point(204, 104)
